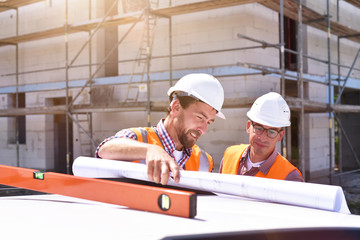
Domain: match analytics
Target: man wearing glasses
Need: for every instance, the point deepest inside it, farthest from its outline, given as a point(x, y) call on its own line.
point(268, 117)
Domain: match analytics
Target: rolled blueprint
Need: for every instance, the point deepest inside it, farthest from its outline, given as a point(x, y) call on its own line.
point(319, 196)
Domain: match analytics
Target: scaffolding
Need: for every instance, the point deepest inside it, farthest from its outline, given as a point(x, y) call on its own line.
point(292, 9)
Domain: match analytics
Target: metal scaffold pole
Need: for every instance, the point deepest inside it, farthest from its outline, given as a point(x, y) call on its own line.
point(286, 144)
point(340, 145)
point(148, 54)
point(67, 89)
point(330, 95)
point(282, 49)
point(92, 149)
point(301, 129)
point(170, 49)
point(170, 52)
point(17, 93)
point(286, 141)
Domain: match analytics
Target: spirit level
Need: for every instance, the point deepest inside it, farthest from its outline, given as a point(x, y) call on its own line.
point(147, 198)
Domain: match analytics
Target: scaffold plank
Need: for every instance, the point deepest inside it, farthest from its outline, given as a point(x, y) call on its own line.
point(310, 17)
point(13, 4)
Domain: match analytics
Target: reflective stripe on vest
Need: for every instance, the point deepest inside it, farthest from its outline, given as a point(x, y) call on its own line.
point(198, 161)
point(204, 162)
point(279, 170)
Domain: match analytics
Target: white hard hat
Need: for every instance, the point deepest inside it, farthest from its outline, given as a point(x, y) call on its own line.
point(203, 87)
point(271, 110)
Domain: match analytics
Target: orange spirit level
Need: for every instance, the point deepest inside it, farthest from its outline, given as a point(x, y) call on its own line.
point(147, 198)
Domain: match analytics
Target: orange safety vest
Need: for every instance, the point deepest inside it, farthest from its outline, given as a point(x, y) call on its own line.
point(279, 170)
point(198, 161)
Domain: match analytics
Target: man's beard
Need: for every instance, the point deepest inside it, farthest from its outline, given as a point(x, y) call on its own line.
point(187, 140)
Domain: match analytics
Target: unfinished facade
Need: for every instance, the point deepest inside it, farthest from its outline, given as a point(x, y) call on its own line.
point(75, 72)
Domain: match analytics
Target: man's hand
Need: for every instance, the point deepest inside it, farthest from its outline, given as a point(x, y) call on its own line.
point(160, 164)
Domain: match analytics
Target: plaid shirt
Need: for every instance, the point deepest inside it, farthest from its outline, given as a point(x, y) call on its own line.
point(167, 142)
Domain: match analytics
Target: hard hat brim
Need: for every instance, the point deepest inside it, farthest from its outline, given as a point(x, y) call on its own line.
point(266, 122)
point(221, 115)
point(196, 96)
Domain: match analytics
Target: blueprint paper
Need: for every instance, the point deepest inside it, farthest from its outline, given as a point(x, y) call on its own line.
point(319, 196)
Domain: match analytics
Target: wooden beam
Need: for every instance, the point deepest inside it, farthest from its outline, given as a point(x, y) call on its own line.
point(342, 108)
point(12, 112)
point(309, 106)
point(199, 6)
point(290, 10)
point(54, 32)
point(356, 3)
point(310, 17)
point(13, 4)
point(109, 21)
point(161, 106)
point(74, 28)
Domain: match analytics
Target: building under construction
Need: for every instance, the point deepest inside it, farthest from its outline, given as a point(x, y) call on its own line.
point(74, 72)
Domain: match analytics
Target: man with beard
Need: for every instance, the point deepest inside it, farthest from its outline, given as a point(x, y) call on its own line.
point(195, 100)
point(268, 117)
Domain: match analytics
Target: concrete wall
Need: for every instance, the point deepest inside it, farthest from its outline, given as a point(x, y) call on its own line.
point(317, 138)
point(34, 56)
point(214, 30)
point(202, 31)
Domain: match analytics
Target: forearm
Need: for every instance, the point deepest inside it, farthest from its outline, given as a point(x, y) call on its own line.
point(123, 149)
point(159, 162)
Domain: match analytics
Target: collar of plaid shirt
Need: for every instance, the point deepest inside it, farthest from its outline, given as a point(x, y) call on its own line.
point(169, 144)
point(264, 167)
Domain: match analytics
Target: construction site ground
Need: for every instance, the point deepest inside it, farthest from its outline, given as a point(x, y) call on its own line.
point(351, 187)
